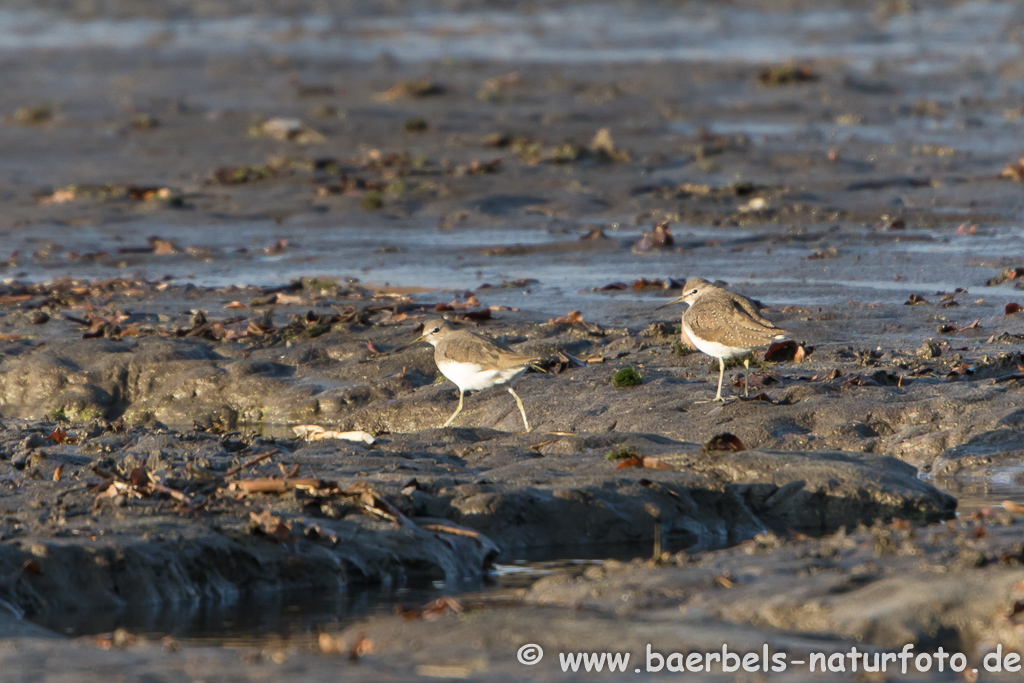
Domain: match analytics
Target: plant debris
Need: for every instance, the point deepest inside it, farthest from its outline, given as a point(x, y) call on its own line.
point(410, 89)
point(318, 433)
point(786, 74)
point(788, 350)
point(659, 238)
point(724, 442)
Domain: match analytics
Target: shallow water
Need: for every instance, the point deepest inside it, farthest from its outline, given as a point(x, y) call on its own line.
point(925, 41)
point(871, 268)
point(295, 618)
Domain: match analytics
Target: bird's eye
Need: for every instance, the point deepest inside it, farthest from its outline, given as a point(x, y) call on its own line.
point(693, 291)
point(436, 329)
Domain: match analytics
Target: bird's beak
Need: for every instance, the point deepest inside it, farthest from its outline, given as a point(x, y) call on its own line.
point(415, 341)
point(677, 300)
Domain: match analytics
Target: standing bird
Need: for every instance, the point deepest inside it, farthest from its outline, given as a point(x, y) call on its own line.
point(474, 362)
point(723, 324)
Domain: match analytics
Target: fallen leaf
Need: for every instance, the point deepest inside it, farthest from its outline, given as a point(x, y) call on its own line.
point(1014, 171)
point(278, 247)
point(162, 247)
point(787, 350)
point(659, 238)
point(361, 647)
point(833, 374)
point(1012, 308)
point(724, 442)
point(758, 397)
point(1012, 507)
point(574, 317)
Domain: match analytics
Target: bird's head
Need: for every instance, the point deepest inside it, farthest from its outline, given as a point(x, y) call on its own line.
point(692, 291)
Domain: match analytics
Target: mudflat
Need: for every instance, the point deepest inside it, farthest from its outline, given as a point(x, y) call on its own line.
point(225, 220)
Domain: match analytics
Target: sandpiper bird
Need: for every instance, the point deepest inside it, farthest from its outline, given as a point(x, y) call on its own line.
point(723, 324)
point(474, 362)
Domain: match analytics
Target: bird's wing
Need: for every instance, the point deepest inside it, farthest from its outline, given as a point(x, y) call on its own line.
point(727, 322)
point(752, 309)
point(469, 347)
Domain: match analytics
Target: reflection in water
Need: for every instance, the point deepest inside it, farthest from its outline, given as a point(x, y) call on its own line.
point(254, 619)
point(296, 618)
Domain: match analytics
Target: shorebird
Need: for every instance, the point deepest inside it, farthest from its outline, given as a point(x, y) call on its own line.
point(723, 324)
point(474, 362)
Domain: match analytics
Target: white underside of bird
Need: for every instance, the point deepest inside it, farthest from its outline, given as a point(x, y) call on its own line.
point(471, 377)
point(714, 349)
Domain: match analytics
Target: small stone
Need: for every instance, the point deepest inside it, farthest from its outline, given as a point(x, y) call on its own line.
point(33, 440)
point(39, 317)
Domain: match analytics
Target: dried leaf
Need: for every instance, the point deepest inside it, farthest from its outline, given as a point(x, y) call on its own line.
point(360, 648)
point(573, 318)
point(787, 350)
point(659, 238)
point(1012, 308)
point(758, 397)
point(1014, 171)
point(1012, 507)
point(724, 442)
point(831, 375)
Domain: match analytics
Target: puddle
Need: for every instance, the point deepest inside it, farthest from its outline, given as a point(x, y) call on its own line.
point(296, 617)
point(986, 490)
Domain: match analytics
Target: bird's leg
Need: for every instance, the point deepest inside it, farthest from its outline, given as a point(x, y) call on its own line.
point(457, 411)
point(721, 376)
point(746, 378)
point(522, 411)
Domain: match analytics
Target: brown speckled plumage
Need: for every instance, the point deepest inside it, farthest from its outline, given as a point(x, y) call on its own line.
point(723, 324)
point(473, 361)
point(725, 317)
point(463, 346)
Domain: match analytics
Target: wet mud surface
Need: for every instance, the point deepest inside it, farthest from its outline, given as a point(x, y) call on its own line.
point(221, 223)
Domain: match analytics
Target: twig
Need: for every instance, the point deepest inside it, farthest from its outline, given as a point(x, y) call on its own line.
point(453, 530)
point(279, 485)
point(250, 462)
